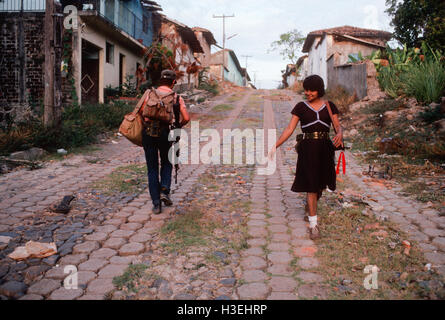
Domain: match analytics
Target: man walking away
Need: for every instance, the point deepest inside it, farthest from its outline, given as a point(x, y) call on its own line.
point(155, 138)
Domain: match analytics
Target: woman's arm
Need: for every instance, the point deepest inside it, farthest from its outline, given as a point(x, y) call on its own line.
point(338, 139)
point(285, 135)
point(288, 131)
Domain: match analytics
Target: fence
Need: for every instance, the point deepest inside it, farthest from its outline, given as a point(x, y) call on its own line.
point(17, 5)
point(352, 77)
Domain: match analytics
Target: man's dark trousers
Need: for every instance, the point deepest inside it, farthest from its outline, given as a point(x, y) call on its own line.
point(155, 147)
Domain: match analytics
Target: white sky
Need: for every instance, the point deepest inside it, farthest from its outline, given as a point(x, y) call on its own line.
point(260, 22)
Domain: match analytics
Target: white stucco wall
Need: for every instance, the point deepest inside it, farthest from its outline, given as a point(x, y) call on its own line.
point(317, 58)
point(303, 72)
point(111, 71)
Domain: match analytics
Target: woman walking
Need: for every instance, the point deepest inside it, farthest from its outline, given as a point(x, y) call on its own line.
point(316, 164)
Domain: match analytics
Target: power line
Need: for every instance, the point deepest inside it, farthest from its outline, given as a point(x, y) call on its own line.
point(223, 17)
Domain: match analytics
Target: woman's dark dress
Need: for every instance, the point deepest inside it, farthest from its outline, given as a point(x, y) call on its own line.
point(316, 164)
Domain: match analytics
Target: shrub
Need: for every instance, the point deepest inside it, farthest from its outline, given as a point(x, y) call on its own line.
point(341, 98)
point(425, 81)
point(211, 87)
point(80, 126)
point(389, 80)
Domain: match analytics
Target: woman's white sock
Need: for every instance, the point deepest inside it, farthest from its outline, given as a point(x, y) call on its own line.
point(313, 221)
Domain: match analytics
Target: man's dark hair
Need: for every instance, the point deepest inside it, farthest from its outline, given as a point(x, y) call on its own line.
point(166, 82)
point(314, 83)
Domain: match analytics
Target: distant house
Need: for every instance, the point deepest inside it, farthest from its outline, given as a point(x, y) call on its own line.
point(336, 44)
point(302, 68)
point(233, 72)
point(104, 50)
point(295, 72)
point(183, 41)
point(207, 40)
point(289, 75)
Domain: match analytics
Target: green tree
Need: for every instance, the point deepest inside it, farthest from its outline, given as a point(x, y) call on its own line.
point(415, 21)
point(289, 45)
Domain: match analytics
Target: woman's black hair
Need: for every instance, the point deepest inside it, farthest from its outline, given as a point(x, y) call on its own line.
point(314, 83)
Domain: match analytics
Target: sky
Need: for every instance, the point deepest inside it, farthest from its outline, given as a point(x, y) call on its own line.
point(257, 23)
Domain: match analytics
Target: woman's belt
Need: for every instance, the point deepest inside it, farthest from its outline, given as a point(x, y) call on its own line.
point(313, 135)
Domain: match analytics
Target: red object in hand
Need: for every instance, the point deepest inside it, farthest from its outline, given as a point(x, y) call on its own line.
point(342, 160)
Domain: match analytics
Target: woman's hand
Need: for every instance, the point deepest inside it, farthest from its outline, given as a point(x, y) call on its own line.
point(272, 153)
point(338, 140)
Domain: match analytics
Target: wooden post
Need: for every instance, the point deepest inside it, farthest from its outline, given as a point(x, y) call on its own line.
point(53, 53)
point(48, 117)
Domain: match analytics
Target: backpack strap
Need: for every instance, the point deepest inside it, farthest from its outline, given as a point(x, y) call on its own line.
point(142, 102)
point(328, 106)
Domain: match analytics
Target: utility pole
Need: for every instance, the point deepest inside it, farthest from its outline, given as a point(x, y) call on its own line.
point(245, 76)
point(254, 78)
point(224, 41)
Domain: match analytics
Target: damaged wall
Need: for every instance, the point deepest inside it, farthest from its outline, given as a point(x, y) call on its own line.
point(21, 62)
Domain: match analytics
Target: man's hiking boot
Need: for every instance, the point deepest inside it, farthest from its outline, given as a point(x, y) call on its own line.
point(314, 233)
point(157, 209)
point(166, 199)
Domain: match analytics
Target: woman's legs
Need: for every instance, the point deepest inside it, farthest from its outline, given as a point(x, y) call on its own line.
point(312, 199)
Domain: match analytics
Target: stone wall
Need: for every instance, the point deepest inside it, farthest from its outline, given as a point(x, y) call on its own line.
point(21, 63)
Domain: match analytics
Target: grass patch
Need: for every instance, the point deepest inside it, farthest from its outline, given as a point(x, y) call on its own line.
point(128, 179)
point(223, 108)
point(130, 277)
point(188, 230)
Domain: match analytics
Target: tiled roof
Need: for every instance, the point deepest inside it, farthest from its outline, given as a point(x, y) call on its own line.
point(348, 31)
point(207, 34)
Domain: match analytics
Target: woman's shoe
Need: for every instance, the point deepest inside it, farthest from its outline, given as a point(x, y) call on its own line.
point(314, 233)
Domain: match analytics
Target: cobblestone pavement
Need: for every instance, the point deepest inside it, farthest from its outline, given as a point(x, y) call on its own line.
point(108, 233)
point(109, 245)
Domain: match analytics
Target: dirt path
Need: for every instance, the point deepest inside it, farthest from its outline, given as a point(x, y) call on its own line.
point(232, 234)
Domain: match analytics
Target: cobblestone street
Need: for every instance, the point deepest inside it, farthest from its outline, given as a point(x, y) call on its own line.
point(103, 234)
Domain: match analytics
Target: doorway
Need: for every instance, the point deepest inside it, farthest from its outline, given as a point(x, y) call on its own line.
point(90, 72)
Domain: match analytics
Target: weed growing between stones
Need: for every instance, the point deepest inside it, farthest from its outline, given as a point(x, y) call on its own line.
point(129, 278)
point(129, 179)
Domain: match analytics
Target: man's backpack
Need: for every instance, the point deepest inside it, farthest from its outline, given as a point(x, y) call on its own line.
point(159, 107)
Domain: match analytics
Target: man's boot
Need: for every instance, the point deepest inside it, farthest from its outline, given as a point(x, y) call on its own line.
point(157, 208)
point(166, 199)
